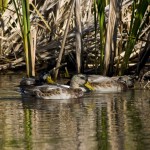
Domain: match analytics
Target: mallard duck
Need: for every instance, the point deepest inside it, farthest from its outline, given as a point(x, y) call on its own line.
point(53, 92)
point(107, 84)
point(57, 91)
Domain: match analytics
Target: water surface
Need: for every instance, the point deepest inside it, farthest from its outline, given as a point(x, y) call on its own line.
point(106, 121)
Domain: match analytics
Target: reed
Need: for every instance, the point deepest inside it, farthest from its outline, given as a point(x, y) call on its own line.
point(64, 40)
point(24, 22)
point(56, 36)
point(136, 26)
point(108, 35)
point(101, 4)
point(3, 6)
point(78, 36)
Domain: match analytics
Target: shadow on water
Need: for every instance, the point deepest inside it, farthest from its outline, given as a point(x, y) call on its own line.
point(113, 121)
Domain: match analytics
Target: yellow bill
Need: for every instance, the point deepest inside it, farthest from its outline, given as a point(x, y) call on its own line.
point(89, 86)
point(49, 80)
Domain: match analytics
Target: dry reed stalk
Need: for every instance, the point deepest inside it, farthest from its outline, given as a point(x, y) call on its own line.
point(1, 34)
point(49, 42)
point(1, 41)
point(33, 48)
point(64, 40)
point(109, 46)
point(78, 35)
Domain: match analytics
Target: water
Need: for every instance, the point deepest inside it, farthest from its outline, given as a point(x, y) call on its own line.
point(112, 121)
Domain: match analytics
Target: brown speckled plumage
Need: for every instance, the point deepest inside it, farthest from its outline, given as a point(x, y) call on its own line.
point(56, 91)
point(107, 84)
point(77, 86)
point(59, 93)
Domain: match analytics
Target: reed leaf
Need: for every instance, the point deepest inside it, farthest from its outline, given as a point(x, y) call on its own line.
point(24, 22)
point(138, 13)
point(16, 5)
point(101, 18)
point(42, 18)
point(3, 5)
point(27, 39)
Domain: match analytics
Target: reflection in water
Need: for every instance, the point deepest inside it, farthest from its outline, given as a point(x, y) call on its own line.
point(115, 121)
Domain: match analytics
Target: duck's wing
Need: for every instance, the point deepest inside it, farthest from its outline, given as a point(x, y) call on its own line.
point(58, 93)
point(47, 87)
point(98, 78)
point(63, 86)
point(44, 88)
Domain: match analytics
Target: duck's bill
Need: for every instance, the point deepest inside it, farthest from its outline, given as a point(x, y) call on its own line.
point(49, 80)
point(89, 86)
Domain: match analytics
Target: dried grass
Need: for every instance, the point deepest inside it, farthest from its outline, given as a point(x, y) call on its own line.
point(49, 22)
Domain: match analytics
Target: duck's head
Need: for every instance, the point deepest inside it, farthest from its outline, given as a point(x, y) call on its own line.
point(46, 78)
point(27, 81)
point(128, 80)
point(80, 80)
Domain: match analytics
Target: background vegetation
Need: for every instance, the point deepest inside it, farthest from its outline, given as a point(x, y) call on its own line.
point(102, 37)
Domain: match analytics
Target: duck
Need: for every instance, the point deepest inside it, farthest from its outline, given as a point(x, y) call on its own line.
point(54, 90)
point(107, 84)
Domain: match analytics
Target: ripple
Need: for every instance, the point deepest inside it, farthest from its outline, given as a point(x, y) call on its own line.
point(96, 121)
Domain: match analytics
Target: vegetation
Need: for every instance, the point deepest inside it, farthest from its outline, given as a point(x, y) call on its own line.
point(136, 27)
point(24, 22)
point(3, 5)
point(106, 39)
point(102, 26)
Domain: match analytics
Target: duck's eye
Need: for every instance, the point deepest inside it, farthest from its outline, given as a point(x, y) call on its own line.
point(120, 78)
point(83, 78)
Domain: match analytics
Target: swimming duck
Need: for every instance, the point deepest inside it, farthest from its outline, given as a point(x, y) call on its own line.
point(57, 91)
point(107, 84)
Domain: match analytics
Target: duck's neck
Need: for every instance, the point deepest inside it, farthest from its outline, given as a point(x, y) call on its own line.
point(74, 85)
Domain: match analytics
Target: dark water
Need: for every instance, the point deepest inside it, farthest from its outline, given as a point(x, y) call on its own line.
point(112, 121)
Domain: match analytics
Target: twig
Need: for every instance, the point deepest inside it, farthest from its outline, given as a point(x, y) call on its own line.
point(145, 74)
point(55, 68)
point(64, 40)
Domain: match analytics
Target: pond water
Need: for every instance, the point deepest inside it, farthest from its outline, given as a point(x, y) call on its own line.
point(108, 121)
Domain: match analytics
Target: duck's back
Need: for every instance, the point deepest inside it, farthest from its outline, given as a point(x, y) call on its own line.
point(108, 86)
point(59, 93)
